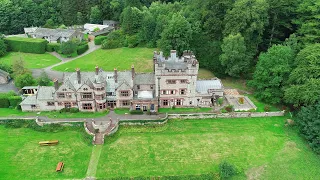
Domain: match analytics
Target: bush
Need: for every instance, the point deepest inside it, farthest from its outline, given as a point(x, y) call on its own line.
point(229, 108)
point(115, 39)
point(110, 44)
point(98, 40)
point(68, 47)
point(4, 102)
point(173, 107)
point(14, 101)
point(266, 108)
point(82, 48)
point(3, 48)
point(227, 170)
point(6, 68)
point(136, 112)
point(220, 101)
point(53, 47)
point(132, 41)
point(74, 110)
point(27, 45)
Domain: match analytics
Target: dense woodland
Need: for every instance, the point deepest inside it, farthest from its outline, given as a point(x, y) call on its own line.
point(271, 43)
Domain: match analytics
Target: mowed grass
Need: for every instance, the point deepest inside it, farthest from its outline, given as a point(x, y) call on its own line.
point(184, 110)
point(205, 74)
point(33, 61)
point(121, 58)
point(260, 147)
point(23, 158)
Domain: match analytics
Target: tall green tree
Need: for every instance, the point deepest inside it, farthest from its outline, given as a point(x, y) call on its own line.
point(24, 80)
point(177, 35)
point(19, 67)
point(234, 56)
point(44, 79)
point(95, 15)
point(272, 73)
point(131, 20)
point(309, 21)
point(248, 17)
point(309, 125)
point(305, 78)
point(69, 12)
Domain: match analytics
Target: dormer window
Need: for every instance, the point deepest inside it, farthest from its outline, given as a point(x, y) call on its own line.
point(138, 86)
point(64, 89)
point(183, 81)
point(171, 81)
point(85, 89)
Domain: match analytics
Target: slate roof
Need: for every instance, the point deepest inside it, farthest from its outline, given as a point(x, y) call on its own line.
point(30, 100)
point(45, 93)
point(91, 27)
point(54, 33)
point(202, 86)
point(30, 30)
point(30, 87)
point(144, 78)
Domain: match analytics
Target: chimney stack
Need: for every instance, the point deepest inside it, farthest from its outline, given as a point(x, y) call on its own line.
point(173, 54)
point(115, 75)
point(97, 70)
point(78, 76)
point(132, 71)
point(56, 84)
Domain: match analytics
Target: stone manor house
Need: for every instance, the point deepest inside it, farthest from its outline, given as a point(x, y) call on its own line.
point(173, 82)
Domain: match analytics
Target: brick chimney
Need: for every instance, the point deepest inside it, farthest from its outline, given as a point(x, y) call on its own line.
point(97, 70)
point(78, 76)
point(56, 84)
point(132, 71)
point(115, 75)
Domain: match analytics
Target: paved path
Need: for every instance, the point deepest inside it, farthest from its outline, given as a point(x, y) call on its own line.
point(57, 74)
point(94, 160)
point(8, 87)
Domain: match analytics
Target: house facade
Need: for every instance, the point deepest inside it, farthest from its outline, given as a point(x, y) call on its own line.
point(174, 82)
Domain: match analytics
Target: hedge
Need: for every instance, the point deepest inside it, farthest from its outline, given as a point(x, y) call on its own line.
point(27, 45)
point(4, 102)
point(136, 112)
point(82, 48)
point(14, 100)
point(53, 47)
point(98, 40)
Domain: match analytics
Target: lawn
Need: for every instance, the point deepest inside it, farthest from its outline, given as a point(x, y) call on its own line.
point(122, 110)
point(235, 83)
point(23, 158)
point(260, 147)
point(205, 74)
point(6, 112)
point(260, 105)
point(184, 110)
point(121, 58)
point(33, 61)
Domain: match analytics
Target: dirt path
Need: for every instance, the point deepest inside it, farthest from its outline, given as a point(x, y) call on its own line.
point(94, 160)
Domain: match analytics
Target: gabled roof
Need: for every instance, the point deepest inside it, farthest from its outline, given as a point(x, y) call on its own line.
point(30, 29)
point(30, 100)
point(124, 86)
point(45, 93)
point(54, 33)
point(144, 78)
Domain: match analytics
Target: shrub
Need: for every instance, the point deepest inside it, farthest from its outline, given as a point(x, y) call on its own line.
point(4, 102)
point(24, 80)
point(136, 112)
point(3, 48)
point(68, 47)
point(6, 68)
point(266, 108)
point(82, 48)
point(110, 44)
point(98, 40)
point(173, 107)
point(14, 101)
point(132, 41)
point(241, 100)
point(220, 101)
point(227, 170)
point(74, 110)
point(27, 45)
point(229, 108)
point(53, 47)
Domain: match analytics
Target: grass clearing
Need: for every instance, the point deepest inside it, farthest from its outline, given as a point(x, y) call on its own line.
point(205, 74)
point(184, 110)
point(23, 158)
point(121, 58)
point(184, 147)
point(239, 84)
point(33, 61)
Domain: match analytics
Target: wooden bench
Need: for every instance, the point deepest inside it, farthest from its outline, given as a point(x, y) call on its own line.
point(59, 167)
point(48, 143)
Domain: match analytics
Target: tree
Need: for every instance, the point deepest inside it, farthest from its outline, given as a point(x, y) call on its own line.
point(95, 15)
point(234, 56)
point(308, 21)
point(18, 67)
point(131, 20)
point(24, 80)
point(309, 125)
point(44, 79)
point(80, 19)
point(3, 48)
point(49, 24)
point(249, 18)
point(177, 35)
point(68, 47)
point(272, 73)
point(305, 77)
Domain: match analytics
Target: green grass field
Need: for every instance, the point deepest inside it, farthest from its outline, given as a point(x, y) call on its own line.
point(23, 158)
point(260, 147)
point(122, 110)
point(33, 61)
point(184, 110)
point(121, 58)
